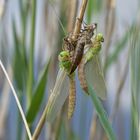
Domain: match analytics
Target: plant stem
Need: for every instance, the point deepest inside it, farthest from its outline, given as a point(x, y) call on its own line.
point(17, 101)
point(71, 17)
point(102, 114)
point(80, 18)
point(76, 31)
point(93, 126)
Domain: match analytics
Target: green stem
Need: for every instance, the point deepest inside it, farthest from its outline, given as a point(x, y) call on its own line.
point(31, 57)
point(102, 114)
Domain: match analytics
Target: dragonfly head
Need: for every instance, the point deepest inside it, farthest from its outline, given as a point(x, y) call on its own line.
point(64, 60)
point(63, 56)
point(90, 29)
point(100, 37)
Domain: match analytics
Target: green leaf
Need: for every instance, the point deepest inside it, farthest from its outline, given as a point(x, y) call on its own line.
point(135, 83)
point(19, 69)
point(90, 10)
point(102, 114)
point(37, 96)
point(31, 53)
point(93, 7)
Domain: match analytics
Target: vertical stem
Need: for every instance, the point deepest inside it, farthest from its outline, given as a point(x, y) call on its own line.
point(102, 115)
point(17, 101)
point(76, 31)
point(80, 18)
point(31, 57)
point(93, 126)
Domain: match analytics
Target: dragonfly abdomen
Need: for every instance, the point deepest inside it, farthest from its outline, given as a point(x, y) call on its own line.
point(72, 96)
point(81, 76)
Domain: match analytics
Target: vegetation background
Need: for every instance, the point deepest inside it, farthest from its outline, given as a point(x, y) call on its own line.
point(31, 31)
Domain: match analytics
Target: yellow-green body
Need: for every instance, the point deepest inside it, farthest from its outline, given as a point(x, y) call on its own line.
point(65, 63)
point(64, 60)
point(89, 70)
point(95, 47)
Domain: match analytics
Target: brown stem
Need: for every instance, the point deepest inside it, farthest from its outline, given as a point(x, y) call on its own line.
point(76, 31)
point(70, 17)
point(80, 19)
point(93, 127)
point(40, 125)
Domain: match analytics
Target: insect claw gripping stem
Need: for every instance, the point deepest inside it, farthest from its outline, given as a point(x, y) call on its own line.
point(79, 20)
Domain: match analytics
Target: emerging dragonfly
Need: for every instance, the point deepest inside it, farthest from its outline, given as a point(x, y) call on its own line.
point(82, 54)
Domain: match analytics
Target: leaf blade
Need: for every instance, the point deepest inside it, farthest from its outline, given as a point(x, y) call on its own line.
point(38, 96)
point(102, 114)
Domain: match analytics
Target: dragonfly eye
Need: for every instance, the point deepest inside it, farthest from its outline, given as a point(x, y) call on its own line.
point(63, 55)
point(94, 26)
point(100, 37)
point(102, 40)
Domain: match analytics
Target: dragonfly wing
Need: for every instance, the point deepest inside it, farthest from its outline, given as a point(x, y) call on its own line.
point(94, 75)
point(58, 95)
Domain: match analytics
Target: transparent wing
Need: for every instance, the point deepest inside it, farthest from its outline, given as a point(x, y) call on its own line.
point(58, 95)
point(94, 76)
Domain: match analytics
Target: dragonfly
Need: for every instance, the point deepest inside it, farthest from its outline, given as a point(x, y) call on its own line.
point(89, 69)
point(75, 55)
point(89, 72)
point(70, 59)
